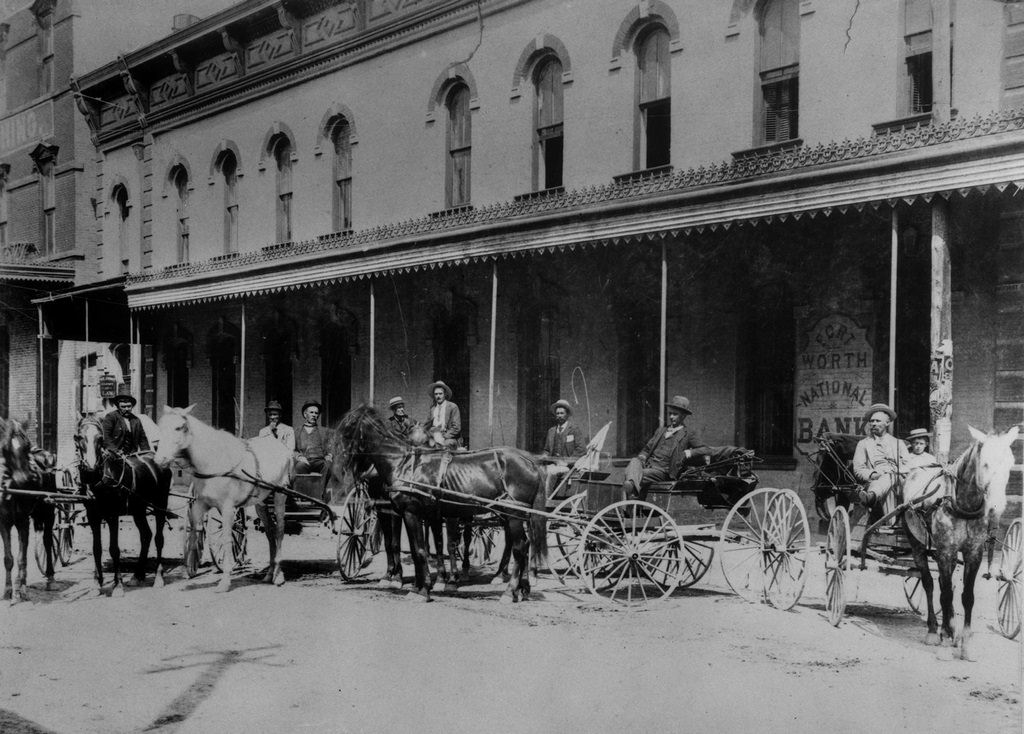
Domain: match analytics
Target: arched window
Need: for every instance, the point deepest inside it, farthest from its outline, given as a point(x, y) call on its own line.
point(654, 99)
point(281, 148)
point(341, 171)
point(548, 119)
point(459, 141)
point(779, 70)
point(121, 210)
point(228, 166)
point(179, 179)
point(3, 213)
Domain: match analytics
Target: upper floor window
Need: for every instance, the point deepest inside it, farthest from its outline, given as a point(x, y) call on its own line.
point(48, 198)
point(457, 174)
point(121, 210)
point(179, 178)
point(548, 144)
point(281, 147)
point(45, 38)
point(229, 170)
point(779, 70)
point(341, 171)
point(3, 214)
point(654, 99)
point(917, 43)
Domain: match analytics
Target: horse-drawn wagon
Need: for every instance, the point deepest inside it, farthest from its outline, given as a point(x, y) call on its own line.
point(969, 494)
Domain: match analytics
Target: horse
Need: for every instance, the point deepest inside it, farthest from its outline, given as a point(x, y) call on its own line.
point(236, 473)
point(959, 520)
point(24, 468)
point(503, 474)
point(119, 484)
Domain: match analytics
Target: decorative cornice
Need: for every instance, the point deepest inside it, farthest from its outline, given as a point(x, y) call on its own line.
point(778, 170)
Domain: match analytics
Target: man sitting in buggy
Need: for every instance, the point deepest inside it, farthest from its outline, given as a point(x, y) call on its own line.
point(880, 460)
point(663, 457)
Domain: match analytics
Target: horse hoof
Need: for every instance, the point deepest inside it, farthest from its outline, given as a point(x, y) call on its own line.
point(117, 591)
point(932, 639)
point(507, 598)
point(498, 579)
point(222, 587)
point(385, 584)
point(418, 596)
point(279, 578)
point(396, 584)
point(158, 581)
point(268, 578)
point(49, 584)
point(132, 582)
point(451, 588)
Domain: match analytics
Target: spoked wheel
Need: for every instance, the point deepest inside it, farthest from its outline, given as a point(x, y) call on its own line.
point(913, 590)
point(218, 543)
point(481, 543)
point(64, 538)
point(764, 547)
point(355, 533)
point(837, 564)
point(630, 553)
point(1009, 593)
point(195, 544)
point(40, 550)
point(376, 533)
point(564, 535)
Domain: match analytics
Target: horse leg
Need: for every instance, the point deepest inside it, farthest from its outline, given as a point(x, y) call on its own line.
point(467, 541)
point(947, 565)
point(269, 529)
point(280, 500)
point(94, 514)
point(46, 516)
point(501, 574)
point(421, 570)
point(113, 525)
point(145, 538)
point(972, 563)
point(928, 585)
point(391, 528)
point(5, 531)
point(227, 566)
point(519, 582)
point(451, 581)
point(436, 529)
point(21, 582)
point(160, 515)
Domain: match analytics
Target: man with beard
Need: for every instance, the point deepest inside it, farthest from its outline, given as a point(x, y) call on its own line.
point(400, 423)
point(311, 441)
point(879, 460)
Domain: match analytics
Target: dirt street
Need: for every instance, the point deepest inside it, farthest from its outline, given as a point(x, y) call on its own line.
point(321, 655)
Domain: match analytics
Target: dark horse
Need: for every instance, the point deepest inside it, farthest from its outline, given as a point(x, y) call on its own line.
point(959, 520)
point(24, 468)
point(506, 474)
point(121, 485)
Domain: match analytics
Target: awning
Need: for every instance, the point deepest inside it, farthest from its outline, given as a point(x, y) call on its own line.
point(824, 180)
point(95, 312)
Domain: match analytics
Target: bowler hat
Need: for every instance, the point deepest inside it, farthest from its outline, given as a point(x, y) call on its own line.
point(273, 405)
point(561, 404)
point(880, 408)
point(680, 403)
point(447, 390)
point(919, 433)
point(311, 404)
point(123, 394)
point(396, 401)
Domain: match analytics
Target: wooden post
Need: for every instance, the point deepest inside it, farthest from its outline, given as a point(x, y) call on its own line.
point(894, 243)
point(40, 337)
point(662, 365)
point(373, 340)
point(941, 74)
point(241, 379)
point(940, 397)
point(87, 319)
point(494, 323)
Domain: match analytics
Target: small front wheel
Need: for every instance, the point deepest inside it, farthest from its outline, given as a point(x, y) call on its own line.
point(837, 564)
point(1009, 594)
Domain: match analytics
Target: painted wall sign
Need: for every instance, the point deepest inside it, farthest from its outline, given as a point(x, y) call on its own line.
point(833, 378)
point(25, 128)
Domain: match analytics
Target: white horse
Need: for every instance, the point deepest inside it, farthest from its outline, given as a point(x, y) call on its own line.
point(961, 507)
point(235, 473)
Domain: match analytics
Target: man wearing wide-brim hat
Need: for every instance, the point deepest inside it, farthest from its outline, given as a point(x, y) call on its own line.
point(444, 424)
point(122, 429)
point(400, 423)
point(275, 428)
point(879, 459)
point(919, 455)
point(312, 442)
point(565, 440)
point(671, 447)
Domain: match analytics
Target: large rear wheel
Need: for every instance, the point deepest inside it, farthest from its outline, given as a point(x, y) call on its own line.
point(837, 564)
point(630, 553)
point(1009, 594)
point(355, 533)
point(564, 533)
point(219, 542)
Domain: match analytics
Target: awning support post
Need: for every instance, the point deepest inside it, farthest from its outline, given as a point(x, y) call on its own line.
point(373, 341)
point(662, 345)
point(940, 396)
point(894, 242)
point(241, 379)
point(40, 337)
point(494, 324)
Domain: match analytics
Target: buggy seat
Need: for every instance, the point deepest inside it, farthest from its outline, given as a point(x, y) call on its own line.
point(718, 479)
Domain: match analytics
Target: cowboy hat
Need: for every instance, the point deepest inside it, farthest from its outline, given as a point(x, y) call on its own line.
point(680, 403)
point(273, 405)
point(880, 408)
point(447, 390)
point(311, 403)
point(919, 433)
point(123, 394)
point(396, 401)
point(561, 404)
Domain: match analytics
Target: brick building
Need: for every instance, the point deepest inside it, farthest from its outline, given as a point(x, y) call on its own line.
point(744, 203)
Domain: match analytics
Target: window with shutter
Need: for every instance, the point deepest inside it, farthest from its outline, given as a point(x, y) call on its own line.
point(654, 99)
point(779, 57)
point(549, 124)
point(459, 147)
point(342, 165)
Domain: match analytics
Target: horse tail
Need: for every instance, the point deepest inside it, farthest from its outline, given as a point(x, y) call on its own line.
point(539, 526)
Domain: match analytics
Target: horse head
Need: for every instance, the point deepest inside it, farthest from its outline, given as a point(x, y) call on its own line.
point(987, 466)
point(175, 435)
point(360, 435)
point(16, 451)
point(89, 444)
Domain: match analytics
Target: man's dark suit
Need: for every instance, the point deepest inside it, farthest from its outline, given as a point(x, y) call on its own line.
point(570, 442)
point(663, 458)
point(128, 439)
